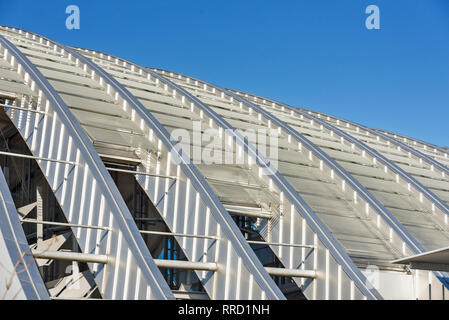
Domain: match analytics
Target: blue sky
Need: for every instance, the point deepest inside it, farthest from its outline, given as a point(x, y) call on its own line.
point(316, 54)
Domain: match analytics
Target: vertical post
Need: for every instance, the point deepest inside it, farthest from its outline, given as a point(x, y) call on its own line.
point(177, 256)
point(39, 217)
point(170, 248)
point(22, 189)
point(134, 201)
point(165, 270)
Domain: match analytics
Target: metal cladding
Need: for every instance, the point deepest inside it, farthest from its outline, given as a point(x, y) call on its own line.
point(296, 202)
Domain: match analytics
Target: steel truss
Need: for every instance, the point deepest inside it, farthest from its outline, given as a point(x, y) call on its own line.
point(428, 198)
point(221, 257)
point(21, 278)
point(85, 192)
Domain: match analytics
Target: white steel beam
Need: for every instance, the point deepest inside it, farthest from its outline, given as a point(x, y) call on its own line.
point(19, 276)
point(191, 189)
point(436, 205)
point(85, 192)
point(70, 256)
point(284, 227)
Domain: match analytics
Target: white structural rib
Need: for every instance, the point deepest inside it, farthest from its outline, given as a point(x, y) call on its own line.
point(190, 194)
point(440, 154)
point(398, 236)
point(245, 110)
point(392, 229)
point(19, 276)
point(433, 202)
point(285, 227)
point(436, 208)
point(356, 190)
point(193, 108)
point(85, 191)
point(157, 152)
point(421, 190)
point(427, 175)
point(336, 198)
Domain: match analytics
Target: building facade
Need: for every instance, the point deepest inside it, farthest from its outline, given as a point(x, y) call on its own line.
point(121, 181)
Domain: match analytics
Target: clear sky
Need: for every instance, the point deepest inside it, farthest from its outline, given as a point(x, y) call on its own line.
point(316, 54)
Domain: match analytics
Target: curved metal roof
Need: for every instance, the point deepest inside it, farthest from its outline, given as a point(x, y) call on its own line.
point(335, 198)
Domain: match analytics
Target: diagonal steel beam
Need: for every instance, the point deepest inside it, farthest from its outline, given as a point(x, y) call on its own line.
point(324, 235)
point(409, 240)
point(85, 192)
point(191, 185)
point(21, 279)
point(320, 155)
